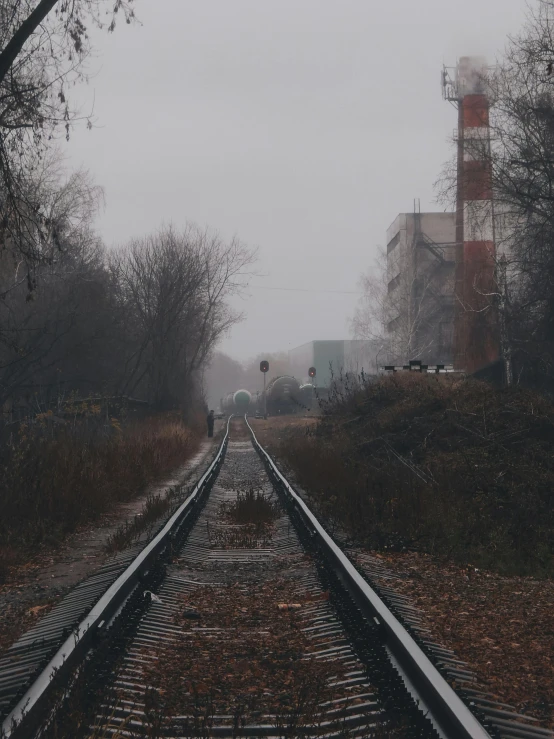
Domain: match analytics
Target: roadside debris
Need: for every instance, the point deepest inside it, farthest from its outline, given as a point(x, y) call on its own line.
point(153, 597)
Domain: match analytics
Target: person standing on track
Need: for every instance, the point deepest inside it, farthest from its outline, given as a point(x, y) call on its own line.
point(210, 420)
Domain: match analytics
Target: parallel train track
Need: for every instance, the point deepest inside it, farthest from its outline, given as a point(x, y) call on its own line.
point(224, 628)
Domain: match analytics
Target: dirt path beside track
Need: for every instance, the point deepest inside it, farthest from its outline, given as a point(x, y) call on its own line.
point(33, 588)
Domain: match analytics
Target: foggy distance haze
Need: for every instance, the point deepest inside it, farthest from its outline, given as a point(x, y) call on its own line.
point(302, 127)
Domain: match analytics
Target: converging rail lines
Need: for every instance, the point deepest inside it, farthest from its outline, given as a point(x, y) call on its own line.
point(241, 618)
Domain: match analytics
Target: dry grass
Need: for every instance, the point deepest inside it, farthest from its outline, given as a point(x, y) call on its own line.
point(52, 481)
point(448, 466)
point(246, 522)
point(153, 509)
point(252, 508)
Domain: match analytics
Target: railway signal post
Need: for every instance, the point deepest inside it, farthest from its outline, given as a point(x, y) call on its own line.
point(312, 374)
point(264, 367)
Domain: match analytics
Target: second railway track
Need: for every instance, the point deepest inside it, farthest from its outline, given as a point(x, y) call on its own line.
point(243, 618)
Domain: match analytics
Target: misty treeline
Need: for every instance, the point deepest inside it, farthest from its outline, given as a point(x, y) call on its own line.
point(139, 320)
point(75, 318)
point(521, 157)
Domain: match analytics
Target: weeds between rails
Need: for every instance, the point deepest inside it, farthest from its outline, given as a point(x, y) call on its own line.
point(249, 521)
point(252, 508)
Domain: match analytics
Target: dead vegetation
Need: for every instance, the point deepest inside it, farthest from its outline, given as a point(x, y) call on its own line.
point(246, 522)
point(152, 510)
point(252, 507)
point(448, 466)
point(258, 648)
point(52, 480)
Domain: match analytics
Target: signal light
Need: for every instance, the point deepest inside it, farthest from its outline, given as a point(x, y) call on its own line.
point(311, 371)
point(264, 366)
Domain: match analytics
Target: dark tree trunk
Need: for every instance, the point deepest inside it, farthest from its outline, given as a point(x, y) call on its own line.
point(25, 30)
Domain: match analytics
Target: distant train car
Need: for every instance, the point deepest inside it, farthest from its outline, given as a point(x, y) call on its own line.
point(238, 402)
point(283, 395)
point(307, 395)
point(242, 400)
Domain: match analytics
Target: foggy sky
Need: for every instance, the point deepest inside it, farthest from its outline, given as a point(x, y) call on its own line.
point(302, 126)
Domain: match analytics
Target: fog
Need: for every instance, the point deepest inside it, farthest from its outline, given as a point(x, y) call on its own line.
point(301, 127)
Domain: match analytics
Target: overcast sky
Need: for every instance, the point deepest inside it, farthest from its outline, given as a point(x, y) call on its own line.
point(301, 126)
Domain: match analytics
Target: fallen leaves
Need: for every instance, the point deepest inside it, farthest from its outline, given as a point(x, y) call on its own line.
point(247, 656)
point(36, 609)
point(501, 626)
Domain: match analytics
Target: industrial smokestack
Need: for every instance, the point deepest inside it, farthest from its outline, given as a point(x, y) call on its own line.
point(471, 76)
point(476, 341)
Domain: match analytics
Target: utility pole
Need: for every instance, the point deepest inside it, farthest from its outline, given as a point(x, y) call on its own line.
point(503, 306)
point(264, 367)
point(312, 374)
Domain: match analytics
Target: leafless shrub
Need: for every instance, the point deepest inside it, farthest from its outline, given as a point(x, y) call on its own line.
point(448, 466)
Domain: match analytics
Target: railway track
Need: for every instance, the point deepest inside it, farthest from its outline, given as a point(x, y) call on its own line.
point(242, 617)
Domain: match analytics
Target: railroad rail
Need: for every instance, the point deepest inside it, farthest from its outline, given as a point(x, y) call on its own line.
point(242, 617)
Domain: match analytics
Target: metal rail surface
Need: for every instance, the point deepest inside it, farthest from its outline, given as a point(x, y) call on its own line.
point(349, 631)
point(75, 646)
point(448, 711)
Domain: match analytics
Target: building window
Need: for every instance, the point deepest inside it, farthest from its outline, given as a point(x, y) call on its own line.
point(393, 283)
point(393, 242)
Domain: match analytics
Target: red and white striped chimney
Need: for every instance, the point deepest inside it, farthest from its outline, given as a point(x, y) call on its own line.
point(476, 328)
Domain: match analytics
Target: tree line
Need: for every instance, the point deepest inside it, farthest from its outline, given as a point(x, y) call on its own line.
point(140, 320)
point(76, 318)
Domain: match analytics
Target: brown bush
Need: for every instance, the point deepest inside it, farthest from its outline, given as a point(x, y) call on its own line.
point(53, 479)
point(451, 466)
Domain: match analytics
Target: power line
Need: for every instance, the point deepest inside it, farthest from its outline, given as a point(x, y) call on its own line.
point(307, 290)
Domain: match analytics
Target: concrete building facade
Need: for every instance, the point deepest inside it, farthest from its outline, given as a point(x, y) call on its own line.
point(419, 300)
point(331, 358)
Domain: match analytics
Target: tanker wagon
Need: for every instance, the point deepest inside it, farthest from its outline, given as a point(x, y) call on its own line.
point(238, 402)
point(283, 396)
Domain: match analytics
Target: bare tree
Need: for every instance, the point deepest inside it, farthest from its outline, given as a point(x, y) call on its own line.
point(402, 307)
point(43, 333)
point(43, 48)
point(177, 285)
point(523, 180)
point(222, 375)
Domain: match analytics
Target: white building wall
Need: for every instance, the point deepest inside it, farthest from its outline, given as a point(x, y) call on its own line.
point(410, 269)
